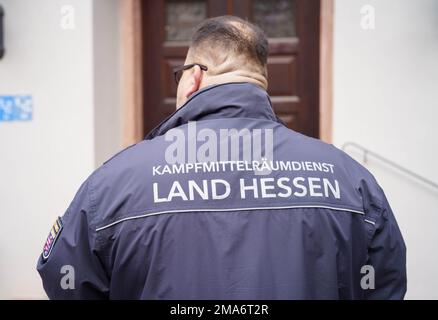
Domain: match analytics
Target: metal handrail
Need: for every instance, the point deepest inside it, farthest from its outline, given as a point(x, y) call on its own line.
point(367, 152)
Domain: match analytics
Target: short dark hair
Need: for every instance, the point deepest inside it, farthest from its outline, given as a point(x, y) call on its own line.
point(233, 33)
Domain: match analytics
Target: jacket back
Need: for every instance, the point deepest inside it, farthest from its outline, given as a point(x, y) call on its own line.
point(222, 201)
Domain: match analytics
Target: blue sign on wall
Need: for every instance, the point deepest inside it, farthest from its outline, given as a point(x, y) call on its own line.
point(16, 108)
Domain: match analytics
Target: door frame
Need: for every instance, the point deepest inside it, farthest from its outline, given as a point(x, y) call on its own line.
point(326, 71)
point(132, 69)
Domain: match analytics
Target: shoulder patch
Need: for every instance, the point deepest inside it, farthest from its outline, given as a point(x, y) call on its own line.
point(51, 239)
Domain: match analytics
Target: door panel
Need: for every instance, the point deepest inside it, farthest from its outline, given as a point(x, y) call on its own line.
point(292, 27)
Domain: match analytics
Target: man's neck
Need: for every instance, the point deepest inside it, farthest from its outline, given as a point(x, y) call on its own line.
point(235, 76)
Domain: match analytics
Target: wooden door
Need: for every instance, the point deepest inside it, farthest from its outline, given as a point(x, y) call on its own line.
point(292, 27)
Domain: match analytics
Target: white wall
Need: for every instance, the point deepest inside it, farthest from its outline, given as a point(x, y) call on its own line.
point(386, 99)
point(44, 161)
point(107, 78)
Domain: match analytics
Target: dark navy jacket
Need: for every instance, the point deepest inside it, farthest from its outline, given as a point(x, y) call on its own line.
point(308, 228)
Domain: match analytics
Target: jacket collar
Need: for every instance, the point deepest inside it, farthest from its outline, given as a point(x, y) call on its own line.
point(227, 100)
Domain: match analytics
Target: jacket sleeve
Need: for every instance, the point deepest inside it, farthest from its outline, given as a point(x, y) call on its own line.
point(387, 255)
point(72, 269)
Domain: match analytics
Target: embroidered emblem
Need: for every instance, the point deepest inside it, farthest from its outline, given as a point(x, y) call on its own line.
point(51, 239)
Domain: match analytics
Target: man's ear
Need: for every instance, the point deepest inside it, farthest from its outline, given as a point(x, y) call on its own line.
point(195, 79)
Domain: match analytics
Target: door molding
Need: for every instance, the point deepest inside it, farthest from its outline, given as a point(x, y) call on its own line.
point(132, 68)
point(326, 72)
point(132, 71)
